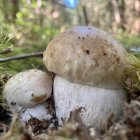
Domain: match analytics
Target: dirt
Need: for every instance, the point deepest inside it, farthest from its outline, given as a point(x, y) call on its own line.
point(127, 128)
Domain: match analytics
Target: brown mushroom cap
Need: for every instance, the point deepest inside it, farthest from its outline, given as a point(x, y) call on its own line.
point(87, 55)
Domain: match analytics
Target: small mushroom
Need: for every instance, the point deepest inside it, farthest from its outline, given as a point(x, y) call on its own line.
point(26, 94)
point(89, 67)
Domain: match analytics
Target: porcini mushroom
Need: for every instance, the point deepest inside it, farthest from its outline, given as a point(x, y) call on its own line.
point(26, 94)
point(90, 72)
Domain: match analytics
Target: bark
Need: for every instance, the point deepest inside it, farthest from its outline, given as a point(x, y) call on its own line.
point(119, 12)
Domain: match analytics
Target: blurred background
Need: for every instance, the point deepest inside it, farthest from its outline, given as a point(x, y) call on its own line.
point(26, 26)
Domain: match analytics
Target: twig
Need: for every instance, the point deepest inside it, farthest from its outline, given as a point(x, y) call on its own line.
point(23, 56)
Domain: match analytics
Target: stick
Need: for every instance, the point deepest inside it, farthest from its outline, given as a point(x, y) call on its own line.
point(23, 56)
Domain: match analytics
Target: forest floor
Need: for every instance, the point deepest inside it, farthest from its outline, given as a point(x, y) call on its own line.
point(126, 128)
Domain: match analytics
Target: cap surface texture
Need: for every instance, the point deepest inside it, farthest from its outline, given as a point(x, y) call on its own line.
point(87, 55)
point(28, 88)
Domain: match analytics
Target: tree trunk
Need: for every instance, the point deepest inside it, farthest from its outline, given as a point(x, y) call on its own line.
point(136, 23)
point(15, 8)
point(119, 12)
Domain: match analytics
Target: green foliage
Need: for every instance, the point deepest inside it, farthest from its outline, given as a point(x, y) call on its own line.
point(129, 40)
point(4, 42)
point(30, 34)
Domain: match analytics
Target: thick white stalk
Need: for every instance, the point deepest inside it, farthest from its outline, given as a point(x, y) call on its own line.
point(97, 103)
point(38, 111)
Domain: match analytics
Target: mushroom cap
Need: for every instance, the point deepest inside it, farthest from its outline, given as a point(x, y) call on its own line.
point(87, 55)
point(27, 89)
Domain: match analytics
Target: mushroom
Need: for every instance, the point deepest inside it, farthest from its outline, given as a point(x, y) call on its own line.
point(26, 94)
point(90, 72)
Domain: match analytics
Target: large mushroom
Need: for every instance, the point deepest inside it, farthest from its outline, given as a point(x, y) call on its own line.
point(26, 94)
point(89, 68)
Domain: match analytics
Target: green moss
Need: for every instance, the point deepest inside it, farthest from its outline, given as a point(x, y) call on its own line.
point(30, 63)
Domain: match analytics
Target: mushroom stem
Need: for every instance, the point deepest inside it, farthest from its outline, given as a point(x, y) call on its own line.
point(38, 111)
point(97, 103)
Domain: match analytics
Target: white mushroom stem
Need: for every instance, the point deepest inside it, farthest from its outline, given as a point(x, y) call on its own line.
point(97, 103)
point(38, 111)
